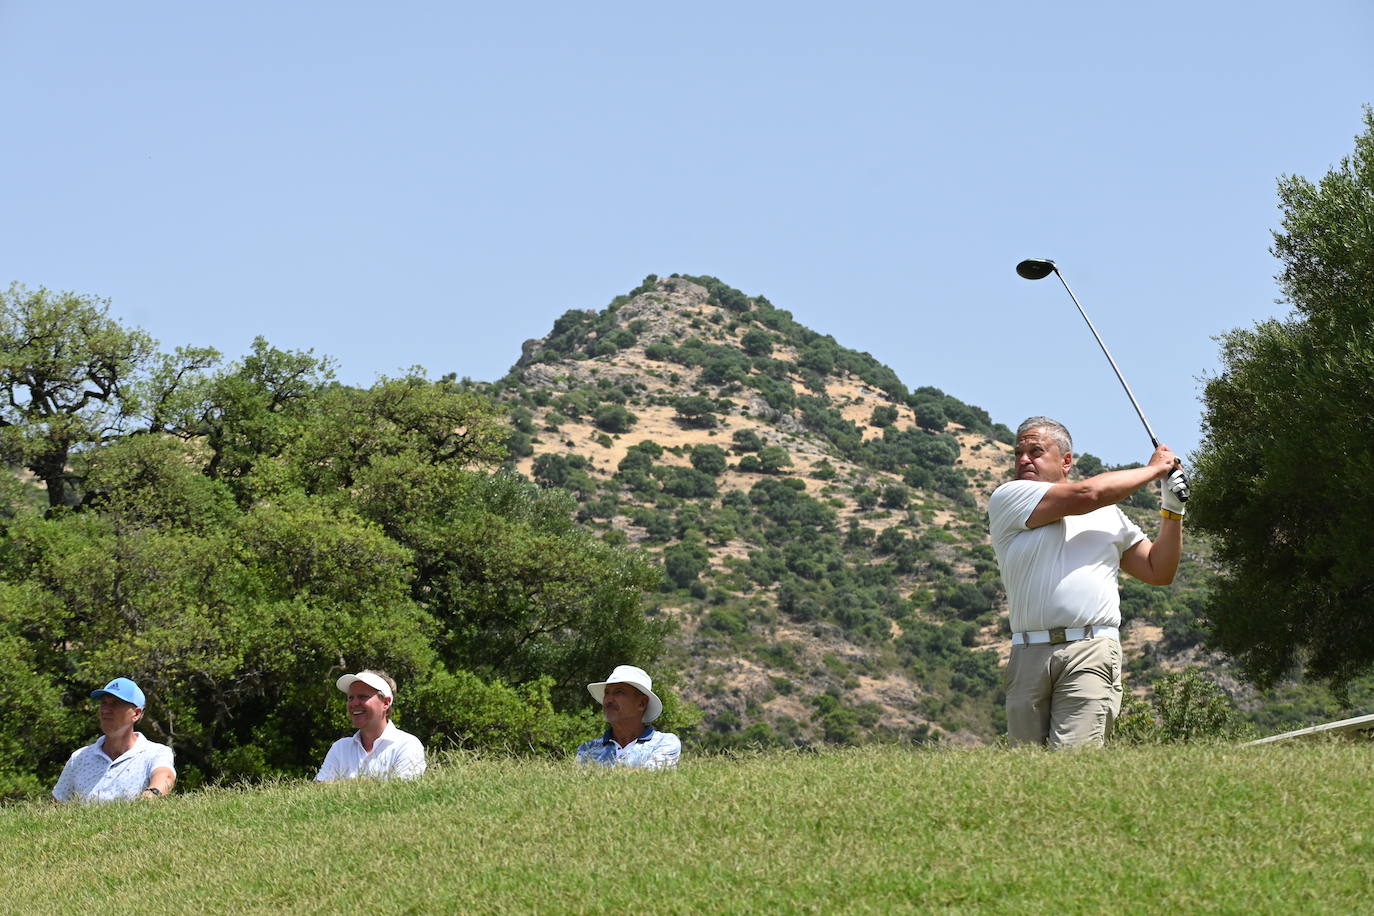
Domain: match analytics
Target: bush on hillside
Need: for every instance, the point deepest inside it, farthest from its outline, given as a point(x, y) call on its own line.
point(709, 459)
point(614, 418)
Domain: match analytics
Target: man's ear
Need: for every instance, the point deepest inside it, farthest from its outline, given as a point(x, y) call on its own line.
point(1068, 463)
point(138, 714)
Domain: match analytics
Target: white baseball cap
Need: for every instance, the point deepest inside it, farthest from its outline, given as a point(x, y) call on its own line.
point(636, 678)
point(368, 678)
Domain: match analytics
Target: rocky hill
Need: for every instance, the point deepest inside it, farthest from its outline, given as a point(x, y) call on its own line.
point(820, 525)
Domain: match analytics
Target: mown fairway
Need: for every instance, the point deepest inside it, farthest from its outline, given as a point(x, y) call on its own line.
point(1219, 829)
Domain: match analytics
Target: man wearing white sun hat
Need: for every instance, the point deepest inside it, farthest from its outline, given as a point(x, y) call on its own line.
point(377, 749)
point(629, 704)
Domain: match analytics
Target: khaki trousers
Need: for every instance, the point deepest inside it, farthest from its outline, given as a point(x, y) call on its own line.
point(1065, 695)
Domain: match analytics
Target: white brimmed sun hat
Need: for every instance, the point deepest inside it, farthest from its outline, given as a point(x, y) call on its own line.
point(637, 678)
point(367, 677)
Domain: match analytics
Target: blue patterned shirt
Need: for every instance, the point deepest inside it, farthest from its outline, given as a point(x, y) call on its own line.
point(652, 750)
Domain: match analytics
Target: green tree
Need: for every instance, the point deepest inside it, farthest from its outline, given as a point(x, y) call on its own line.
point(72, 377)
point(684, 562)
point(883, 415)
point(250, 413)
point(697, 411)
point(773, 458)
point(1284, 479)
point(895, 496)
point(746, 440)
point(931, 416)
point(614, 418)
point(757, 342)
point(709, 459)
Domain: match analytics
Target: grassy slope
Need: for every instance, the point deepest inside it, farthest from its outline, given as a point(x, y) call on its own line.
point(1221, 829)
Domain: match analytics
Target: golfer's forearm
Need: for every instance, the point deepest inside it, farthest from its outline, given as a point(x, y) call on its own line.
point(1111, 487)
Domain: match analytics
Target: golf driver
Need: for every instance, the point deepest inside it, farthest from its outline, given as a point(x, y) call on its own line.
point(1039, 269)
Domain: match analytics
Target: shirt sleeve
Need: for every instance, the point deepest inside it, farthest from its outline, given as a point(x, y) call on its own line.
point(162, 757)
point(329, 770)
point(1011, 505)
point(66, 783)
point(1130, 531)
point(410, 760)
point(666, 754)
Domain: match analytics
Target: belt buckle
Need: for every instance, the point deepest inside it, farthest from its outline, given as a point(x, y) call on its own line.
point(1057, 636)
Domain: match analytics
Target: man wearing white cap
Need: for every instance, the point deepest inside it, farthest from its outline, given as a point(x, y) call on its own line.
point(377, 749)
point(629, 704)
point(122, 764)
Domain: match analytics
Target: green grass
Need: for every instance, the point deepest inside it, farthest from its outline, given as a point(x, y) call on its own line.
point(1220, 829)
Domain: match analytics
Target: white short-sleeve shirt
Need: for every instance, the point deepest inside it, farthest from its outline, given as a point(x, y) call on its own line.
point(91, 776)
point(395, 755)
point(1063, 574)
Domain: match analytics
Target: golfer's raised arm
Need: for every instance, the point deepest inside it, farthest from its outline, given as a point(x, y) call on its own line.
point(1079, 497)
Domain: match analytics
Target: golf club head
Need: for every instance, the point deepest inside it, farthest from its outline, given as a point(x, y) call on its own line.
point(1035, 268)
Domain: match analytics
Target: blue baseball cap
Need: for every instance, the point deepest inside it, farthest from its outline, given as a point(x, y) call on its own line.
point(121, 688)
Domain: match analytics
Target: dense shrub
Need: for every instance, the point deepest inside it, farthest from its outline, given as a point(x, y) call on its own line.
point(709, 459)
point(614, 418)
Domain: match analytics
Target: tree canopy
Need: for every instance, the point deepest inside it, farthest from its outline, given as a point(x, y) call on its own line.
point(1284, 478)
point(235, 537)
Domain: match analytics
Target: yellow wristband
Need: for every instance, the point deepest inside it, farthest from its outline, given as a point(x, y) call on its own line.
point(1176, 516)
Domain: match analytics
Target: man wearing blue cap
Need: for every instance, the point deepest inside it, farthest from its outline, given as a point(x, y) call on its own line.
point(122, 764)
point(629, 704)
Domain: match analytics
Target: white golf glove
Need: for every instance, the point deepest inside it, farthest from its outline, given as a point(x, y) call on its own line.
point(1174, 492)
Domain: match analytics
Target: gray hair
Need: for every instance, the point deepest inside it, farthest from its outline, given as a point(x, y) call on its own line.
point(1058, 431)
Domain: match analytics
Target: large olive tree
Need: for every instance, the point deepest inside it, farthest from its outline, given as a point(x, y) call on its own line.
point(72, 377)
point(1285, 474)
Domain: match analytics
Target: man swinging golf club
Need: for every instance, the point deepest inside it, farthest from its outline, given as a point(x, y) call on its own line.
point(1060, 544)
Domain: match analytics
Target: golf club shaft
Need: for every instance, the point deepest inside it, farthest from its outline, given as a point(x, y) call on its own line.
point(1107, 353)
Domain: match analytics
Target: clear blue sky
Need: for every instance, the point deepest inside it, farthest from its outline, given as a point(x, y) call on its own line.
point(431, 183)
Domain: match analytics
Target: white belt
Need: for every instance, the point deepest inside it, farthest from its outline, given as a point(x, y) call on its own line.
point(1063, 634)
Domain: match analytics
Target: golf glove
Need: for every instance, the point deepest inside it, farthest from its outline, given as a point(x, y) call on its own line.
point(1175, 491)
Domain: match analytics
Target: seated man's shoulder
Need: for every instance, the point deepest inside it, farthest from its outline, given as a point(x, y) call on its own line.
point(592, 745)
point(86, 750)
point(405, 738)
point(343, 742)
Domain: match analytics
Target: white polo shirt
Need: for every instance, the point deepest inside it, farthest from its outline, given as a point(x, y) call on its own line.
point(1063, 574)
point(90, 775)
point(395, 755)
